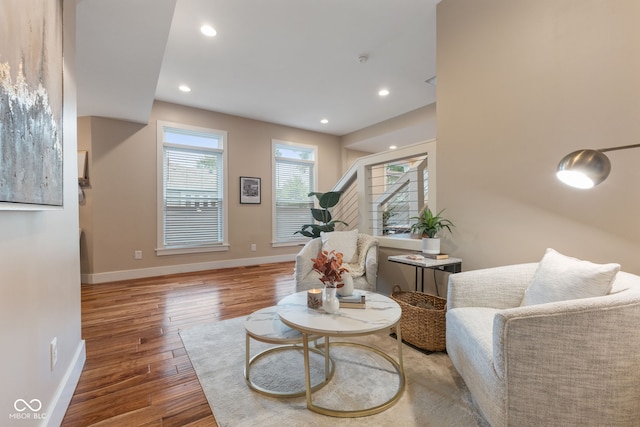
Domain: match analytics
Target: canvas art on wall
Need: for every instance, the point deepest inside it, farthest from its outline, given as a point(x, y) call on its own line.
point(31, 102)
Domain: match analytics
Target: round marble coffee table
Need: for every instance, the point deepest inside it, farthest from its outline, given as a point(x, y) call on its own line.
point(380, 313)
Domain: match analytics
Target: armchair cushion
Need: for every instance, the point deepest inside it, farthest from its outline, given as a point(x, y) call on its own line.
point(345, 242)
point(560, 278)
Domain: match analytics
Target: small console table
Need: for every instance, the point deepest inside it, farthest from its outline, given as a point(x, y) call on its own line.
point(451, 265)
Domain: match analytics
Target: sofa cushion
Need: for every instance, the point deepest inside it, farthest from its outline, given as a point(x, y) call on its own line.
point(345, 242)
point(559, 278)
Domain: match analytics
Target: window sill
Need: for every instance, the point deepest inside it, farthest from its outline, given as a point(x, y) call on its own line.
point(192, 250)
point(288, 244)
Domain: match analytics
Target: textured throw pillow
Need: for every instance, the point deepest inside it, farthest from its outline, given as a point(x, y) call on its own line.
point(342, 241)
point(559, 278)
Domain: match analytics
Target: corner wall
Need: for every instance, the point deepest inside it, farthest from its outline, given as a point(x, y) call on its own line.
point(40, 285)
point(521, 84)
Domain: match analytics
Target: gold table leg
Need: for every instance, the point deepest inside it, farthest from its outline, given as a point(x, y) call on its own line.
point(398, 365)
point(328, 366)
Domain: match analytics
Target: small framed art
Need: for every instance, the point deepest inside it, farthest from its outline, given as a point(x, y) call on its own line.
point(250, 191)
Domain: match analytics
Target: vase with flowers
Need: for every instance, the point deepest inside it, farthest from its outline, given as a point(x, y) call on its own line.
point(329, 265)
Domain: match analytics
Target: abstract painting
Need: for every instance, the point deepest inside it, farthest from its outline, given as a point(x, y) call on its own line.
point(31, 102)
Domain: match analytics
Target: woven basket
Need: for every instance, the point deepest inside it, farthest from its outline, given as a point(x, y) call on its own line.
point(422, 326)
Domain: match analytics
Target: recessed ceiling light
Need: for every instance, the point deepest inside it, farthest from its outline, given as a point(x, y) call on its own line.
point(392, 147)
point(208, 30)
point(184, 88)
point(383, 92)
point(324, 121)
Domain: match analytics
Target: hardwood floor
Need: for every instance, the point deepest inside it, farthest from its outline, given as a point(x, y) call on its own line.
point(137, 371)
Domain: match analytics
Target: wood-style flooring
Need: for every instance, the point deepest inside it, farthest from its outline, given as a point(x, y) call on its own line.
point(137, 371)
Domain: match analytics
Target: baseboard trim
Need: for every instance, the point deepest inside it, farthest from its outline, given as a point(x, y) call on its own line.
point(64, 393)
point(141, 273)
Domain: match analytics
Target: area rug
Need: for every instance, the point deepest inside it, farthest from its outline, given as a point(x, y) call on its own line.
point(435, 395)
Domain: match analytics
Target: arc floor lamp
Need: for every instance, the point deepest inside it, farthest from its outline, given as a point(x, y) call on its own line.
point(586, 168)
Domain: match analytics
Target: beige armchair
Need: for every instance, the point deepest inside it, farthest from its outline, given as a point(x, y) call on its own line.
point(562, 363)
point(364, 271)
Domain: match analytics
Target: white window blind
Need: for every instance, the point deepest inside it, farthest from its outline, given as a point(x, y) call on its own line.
point(294, 177)
point(192, 188)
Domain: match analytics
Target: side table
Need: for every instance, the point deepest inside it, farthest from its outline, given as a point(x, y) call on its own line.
point(451, 265)
point(265, 326)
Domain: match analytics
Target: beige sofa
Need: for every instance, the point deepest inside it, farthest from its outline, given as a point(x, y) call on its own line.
point(563, 363)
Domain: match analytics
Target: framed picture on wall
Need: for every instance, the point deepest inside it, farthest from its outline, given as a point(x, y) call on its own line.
point(250, 192)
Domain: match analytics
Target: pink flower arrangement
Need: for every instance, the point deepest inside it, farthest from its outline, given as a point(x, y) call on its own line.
point(329, 265)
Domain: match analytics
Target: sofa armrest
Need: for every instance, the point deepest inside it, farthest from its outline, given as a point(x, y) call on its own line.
point(304, 265)
point(497, 287)
point(578, 356)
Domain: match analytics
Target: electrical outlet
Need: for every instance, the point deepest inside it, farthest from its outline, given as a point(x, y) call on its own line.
point(253, 247)
point(53, 352)
point(137, 254)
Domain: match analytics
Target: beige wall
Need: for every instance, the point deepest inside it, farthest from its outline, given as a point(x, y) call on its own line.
point(521, 84)
point(119, 216)
point(349, 157)
point(410, 128)
point(40, 284)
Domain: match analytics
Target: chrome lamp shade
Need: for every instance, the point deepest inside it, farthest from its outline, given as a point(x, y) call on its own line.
point(584, 168)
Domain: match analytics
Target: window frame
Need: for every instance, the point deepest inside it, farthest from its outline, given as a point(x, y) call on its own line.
point(294, 240)
point(161, 249)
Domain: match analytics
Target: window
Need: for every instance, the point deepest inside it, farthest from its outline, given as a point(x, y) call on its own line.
point(192, 212)
point(294, 177)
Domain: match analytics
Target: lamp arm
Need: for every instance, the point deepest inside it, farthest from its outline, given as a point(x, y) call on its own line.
point(622, 147)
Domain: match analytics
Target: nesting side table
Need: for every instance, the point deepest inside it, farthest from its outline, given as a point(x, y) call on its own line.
point(265, 326)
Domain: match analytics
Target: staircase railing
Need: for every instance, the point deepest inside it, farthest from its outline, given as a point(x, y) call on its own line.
point(369, 199)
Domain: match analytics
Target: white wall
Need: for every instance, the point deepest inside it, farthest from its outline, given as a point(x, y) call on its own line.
point(40, 285)
point(521, 84)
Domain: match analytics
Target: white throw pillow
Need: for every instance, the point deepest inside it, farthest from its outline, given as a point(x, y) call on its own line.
point(342, 241)
point(560, 278)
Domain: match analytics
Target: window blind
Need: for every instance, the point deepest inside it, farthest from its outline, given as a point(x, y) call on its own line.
point(293, 182)
point(193, 197)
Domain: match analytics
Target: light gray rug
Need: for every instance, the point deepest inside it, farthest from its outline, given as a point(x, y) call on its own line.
point(435, 395)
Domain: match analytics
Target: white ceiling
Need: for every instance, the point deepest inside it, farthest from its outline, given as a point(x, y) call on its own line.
point(291, 62)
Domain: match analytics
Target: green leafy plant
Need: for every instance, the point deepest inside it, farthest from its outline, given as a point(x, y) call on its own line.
point(322, 215)
point(428, 224)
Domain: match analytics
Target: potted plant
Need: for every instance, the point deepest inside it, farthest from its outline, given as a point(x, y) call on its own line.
point(427, 226)
point(322, 214)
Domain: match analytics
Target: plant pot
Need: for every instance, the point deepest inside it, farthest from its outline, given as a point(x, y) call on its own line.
point(347, 288)
point(430, 245)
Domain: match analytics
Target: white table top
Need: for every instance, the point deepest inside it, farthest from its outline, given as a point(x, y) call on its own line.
point(381, 313)
point(265, 323)
point(424, 262)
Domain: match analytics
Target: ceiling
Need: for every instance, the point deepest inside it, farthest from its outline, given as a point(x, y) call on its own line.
point(291, 62)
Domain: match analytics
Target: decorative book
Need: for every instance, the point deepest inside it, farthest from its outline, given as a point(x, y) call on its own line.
point(355, 300)
point(436, 256)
